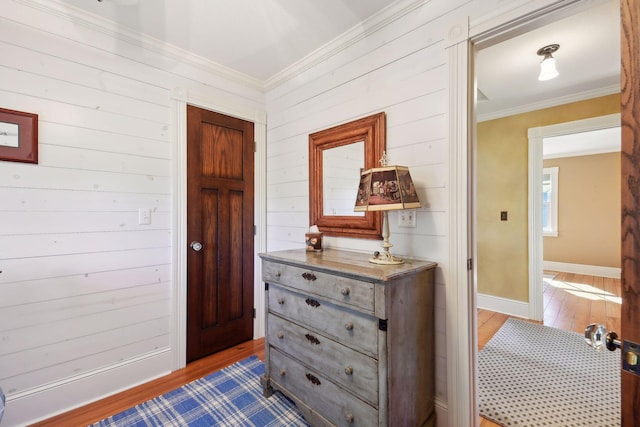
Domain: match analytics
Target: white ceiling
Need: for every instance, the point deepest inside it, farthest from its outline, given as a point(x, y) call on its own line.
point(258, 38)
point(588, 63)
point(582, 143)
point(261, 38)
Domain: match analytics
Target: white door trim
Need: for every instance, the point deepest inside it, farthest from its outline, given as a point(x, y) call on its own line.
point(462, 407)
point(536, 137)
point(180, 97)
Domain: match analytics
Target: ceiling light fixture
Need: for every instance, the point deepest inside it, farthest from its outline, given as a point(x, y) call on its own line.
point(548, 65)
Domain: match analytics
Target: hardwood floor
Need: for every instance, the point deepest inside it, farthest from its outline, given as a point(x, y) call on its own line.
point(571, 302)
point(104, 408)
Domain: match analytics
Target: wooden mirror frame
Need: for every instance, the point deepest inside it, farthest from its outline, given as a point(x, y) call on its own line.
point(371, 130)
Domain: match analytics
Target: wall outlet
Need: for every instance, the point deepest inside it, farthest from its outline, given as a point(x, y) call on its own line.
point(144, 216)
point(407, 219)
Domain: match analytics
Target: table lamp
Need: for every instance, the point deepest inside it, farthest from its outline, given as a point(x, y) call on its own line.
point(383, 189)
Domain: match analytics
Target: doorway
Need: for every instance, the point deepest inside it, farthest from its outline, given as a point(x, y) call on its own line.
point(220, 254)
point(505, 191)
point(525, 231)
point(594, 136)
point(463, 37)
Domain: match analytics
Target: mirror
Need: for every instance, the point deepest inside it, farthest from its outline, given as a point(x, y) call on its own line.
point(340, 175)
point(336, 157)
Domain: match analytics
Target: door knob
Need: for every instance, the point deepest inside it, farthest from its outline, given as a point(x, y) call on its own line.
point(196, 246)
point(597, 336)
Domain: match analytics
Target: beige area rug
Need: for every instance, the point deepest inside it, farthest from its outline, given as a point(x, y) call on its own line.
point(530, 375)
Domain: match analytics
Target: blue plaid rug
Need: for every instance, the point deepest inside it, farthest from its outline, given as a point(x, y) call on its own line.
point(229, 397)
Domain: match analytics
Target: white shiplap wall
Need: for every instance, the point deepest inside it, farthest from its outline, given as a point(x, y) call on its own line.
point(399, 68)
point(85, 291)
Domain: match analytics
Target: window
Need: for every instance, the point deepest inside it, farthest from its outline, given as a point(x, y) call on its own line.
point(550, 201)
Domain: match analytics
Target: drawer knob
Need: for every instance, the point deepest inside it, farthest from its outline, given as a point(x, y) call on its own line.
point(348, 326)
point(349, 418)
point(283, 372)
point(345, 291)
point(313, 379)
point(278, 274)
point(281, 301)
point(309, 276)
point(348, 370)
point(312, 339)
point(312, 302)
point(280, 334)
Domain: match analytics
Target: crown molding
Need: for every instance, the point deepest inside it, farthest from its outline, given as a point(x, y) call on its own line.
point(111, 29)
point(350, 37)
point(547, 103)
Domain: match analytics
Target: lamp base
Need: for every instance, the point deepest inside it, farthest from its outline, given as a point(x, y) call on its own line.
point(385, 258)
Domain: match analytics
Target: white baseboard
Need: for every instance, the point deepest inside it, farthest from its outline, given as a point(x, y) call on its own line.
point(52, 399)
point(590, 270)
point(503, 305)
point(441, 413)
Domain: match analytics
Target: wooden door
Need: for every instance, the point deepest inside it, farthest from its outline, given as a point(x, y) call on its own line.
point(220, 156)
point(630, 314)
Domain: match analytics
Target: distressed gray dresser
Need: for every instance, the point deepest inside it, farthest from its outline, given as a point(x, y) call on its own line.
point(352, 343)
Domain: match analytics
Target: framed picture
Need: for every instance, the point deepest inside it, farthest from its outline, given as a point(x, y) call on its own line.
point(18, 136)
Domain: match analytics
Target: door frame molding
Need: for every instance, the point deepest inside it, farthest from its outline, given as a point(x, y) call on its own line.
point(462, 40)
point(180, 97)
point(536, 139)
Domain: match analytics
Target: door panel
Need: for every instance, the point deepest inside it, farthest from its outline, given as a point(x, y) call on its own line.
point(220, 216)
point(630, 314)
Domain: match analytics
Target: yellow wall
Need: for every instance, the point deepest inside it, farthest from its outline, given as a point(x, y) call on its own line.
point(588, 211)
point(501, 175)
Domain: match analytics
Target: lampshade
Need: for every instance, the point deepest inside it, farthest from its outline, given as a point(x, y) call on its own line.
point(383, 189)
point(548, 65)
point(386, 188)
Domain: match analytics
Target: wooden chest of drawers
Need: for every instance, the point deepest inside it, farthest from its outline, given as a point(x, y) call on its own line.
point(349, 341)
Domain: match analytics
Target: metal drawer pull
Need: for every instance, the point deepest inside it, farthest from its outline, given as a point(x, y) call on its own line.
point(283, 372)
point(280, 334)
point(313, 379)
point(311, 302)
point(349, 418)
point(348, 370)
point(309, 276)
point(345, 292)
point(312, 339)
point(280, 301)
point(348, 326)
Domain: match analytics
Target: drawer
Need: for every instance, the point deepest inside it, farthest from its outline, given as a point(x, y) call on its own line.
point(348, 327)
point(325, 397)
point(349, 368)
point(336, 288)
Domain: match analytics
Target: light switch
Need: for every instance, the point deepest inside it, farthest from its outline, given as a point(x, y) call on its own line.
point(407, 218)
point(504, 216)
point(144, 216)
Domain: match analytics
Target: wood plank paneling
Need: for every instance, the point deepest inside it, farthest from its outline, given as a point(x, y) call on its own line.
point(34, 291)
point(85, 290)
point(399, 69)
point(64, 200)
